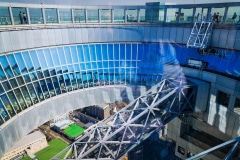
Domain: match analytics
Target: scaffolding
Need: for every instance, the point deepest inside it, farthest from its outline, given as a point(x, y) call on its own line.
point(200, 35)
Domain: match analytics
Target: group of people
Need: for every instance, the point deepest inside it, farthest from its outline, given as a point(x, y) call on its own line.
point(22, 18)
point(216, 17)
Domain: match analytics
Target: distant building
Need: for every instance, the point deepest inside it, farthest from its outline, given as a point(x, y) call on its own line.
point(100, 111)
point(61, 125)
point(29, 144)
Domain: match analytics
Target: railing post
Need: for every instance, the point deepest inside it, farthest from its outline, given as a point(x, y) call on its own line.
point(11, 15)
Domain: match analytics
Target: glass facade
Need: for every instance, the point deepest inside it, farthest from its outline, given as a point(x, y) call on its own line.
point(155, 13)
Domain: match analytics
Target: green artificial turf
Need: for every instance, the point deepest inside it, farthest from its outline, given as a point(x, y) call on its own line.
point(73, 130)
point(55, 146)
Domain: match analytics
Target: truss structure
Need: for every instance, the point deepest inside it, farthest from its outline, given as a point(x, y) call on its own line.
point(200, 35)
point(118, 134)
point(232, 146)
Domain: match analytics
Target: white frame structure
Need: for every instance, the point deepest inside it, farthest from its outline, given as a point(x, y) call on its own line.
point(115, 136)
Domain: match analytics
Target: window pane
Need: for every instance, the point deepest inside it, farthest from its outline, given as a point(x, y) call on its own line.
point(54, 54)
point(157, 15)
point(65, 15)
point(28, 61)
point(19, 15)
point(26, 96)
point(3, 112)
point(172, 15)
point(118, 15)
point(92, 15)
point(6, 66)
point(8, 105)
point(106, 15)
point(21, 63)
point(13, 64)
point(48, 57)
point(131, 15)
point(14, 101)
point(20, 98)
point(6, 86)
point(51, 15)
point(198, 14)
point(79, 15)
point(218, 14)
point(36, 16)
point(35, 60)
point(42, 59)
point(4, 16)
point(32, 93)
point(186, 15)
point(233, 15)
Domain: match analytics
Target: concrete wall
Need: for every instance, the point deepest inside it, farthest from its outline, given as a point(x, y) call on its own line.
point(27, 39)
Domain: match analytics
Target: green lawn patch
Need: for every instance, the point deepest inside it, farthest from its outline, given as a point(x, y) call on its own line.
point(26, 158)
point(73, 131)
point(55, 146)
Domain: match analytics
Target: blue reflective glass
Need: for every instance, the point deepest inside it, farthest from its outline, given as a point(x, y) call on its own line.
point(6, 86)
point(100, 65)
point(21, 63)
point(86, 53)
point(36, 16)
point(104, 52)
point(98, 52)
point(26, 96)
point(44, 88)
point(27, 78)
point(52, 71)
point(70, 68)
point(59, 70)
point(105, 64)
point(116, 52)
point(82, 65)
point(76, 67)
point(5, 16)
point(35, 61)
point(56, 85)
point(19, 15)
point(48, 57)
point(38, 90)
point(51, 15)
point(88, 66)
point(42, 59)
point(33, 76)
point(94, 65)
point(111, 64)
point(1, 89)
point(50, 86)
point(46, 73)
point(32, 93)
point(8, 105)
point(3, 112)
point(92, 52)
point(140, 51)
point(55, 57)
point(61, 56)
point(134, 51)
point(40, 74)
point(64, 69)
point(68, 54)
point(128, 51)
point(74, 54)
point(122, 51)
point(67, 80)
point(28, 61)
point(110, 52)
point(80, 53)
point(2, 74)
point(20, 81)
point(6, 66)
point(13, 64)
point(14, 102)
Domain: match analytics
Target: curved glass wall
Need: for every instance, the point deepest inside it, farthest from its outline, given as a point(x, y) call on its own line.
point(29, 77)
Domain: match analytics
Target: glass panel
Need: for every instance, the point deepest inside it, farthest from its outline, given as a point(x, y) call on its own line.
point(33, 76)
point(26, 78)
point(36, 16)
point(2, 74)
point(1, 89)
point(13, 83)
point(131, 15)
point(86, 53)
point(48, 58)
point(54, 54)
point(44, 88)
point(80, 53)
point(26, 96)
point(14, 101)
point(42, 59)
point(198, 14)
point(20, 98)
point(68, 55)
point(6, 86)
point(32, 93)
point(92, 15)
point(21, 63)
point(3, 112)
point(28, 61)
point(186, 15)
point(50, 87)
point(106, 15)
point(158, 15)
point(118, 15)
point(6, 66)
point(61, 55)
point(46, 73)
point(19, 15)
point(4, 16)
point(172, 15)
point(13, 64)
point(35, 61)
point(38, 90)
point(74, 54)
point(218, 14)
point(40, 74)
point(56, 85)
point(53, 72)
point(8, 105)
point(79, 15)
point(65, 15)
point(51, 15)
point(142, 17)
point(233, 15)
point(20, 81)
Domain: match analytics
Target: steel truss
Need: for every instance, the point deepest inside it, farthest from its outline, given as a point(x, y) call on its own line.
point(200, 36)
point(115, 136)
point(232, 145)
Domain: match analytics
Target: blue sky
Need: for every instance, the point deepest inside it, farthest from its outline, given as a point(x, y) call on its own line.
point(116, 2)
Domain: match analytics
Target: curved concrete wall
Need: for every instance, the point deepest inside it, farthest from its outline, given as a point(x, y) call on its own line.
point(34, 38)
point(31, 118)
